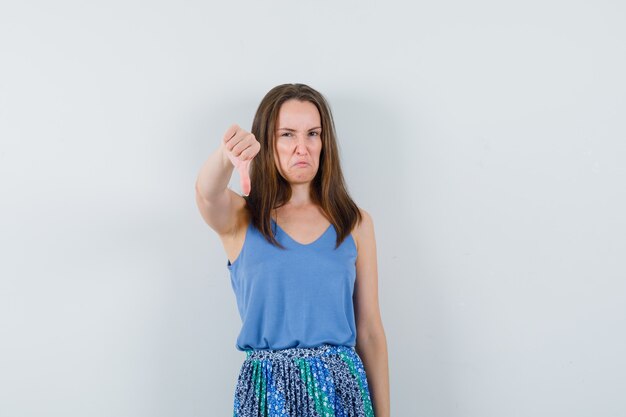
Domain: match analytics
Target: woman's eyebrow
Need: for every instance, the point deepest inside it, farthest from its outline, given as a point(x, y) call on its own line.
point(293, 130)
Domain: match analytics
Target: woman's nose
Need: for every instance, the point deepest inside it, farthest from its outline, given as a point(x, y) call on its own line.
point(301, 146)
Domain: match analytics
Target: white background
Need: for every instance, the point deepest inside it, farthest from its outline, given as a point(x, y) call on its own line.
point(486, 139)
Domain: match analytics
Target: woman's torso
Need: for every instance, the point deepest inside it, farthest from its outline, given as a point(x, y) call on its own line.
point(299, 296)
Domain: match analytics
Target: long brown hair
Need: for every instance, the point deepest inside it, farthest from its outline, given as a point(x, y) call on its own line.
point(270, 190)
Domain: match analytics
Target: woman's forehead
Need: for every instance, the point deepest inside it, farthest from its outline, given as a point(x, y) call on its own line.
point(296, 114)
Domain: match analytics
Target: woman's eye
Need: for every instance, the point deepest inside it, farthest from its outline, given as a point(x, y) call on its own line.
point(314, 133)
point(286, 134)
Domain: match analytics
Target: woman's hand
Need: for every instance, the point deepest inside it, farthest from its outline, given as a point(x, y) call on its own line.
point(241, 146)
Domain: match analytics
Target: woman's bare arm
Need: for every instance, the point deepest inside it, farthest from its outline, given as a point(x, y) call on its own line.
point(371, 342)
point(218, 204)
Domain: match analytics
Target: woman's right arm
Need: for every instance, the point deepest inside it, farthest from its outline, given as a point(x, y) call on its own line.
point(219, 206)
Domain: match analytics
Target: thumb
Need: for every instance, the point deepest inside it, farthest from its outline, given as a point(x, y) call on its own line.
point(244, 176)
point(243, 168)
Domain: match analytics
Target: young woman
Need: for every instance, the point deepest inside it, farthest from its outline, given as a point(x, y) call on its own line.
point(302, 261)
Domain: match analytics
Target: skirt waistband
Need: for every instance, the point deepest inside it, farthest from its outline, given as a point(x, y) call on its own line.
point(298, 352)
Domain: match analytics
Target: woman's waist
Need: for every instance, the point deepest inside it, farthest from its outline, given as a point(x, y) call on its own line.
point(324, 349)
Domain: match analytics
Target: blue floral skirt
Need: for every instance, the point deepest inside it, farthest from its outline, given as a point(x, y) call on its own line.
point(323, 381)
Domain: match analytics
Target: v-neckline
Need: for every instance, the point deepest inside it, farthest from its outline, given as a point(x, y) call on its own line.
point(302, 244)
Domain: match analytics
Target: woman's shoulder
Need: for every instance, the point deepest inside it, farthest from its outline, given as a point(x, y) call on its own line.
point(363, 231)
point(242, 219)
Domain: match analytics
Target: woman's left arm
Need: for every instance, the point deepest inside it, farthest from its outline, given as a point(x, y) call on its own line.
point(371, 343)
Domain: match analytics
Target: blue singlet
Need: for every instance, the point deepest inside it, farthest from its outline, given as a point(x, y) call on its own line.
point(300, 296)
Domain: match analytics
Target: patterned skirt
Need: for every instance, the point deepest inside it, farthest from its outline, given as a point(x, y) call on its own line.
point(323, 381)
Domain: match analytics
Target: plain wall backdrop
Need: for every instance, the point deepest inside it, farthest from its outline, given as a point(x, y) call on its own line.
point(486, 139)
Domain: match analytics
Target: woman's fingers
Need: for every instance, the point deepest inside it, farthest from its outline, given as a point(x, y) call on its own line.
point(245, 141)
point(238, 140)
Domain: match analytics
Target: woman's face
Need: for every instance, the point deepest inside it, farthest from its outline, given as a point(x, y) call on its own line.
point(298, 141)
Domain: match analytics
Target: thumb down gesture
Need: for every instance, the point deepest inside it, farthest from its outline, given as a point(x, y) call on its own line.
point(241, 147)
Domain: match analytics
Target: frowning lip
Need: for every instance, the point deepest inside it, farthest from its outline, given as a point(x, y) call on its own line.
point(301, 164)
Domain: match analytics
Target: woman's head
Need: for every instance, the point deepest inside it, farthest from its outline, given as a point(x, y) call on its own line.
point(294, 123)
point(301, 108)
